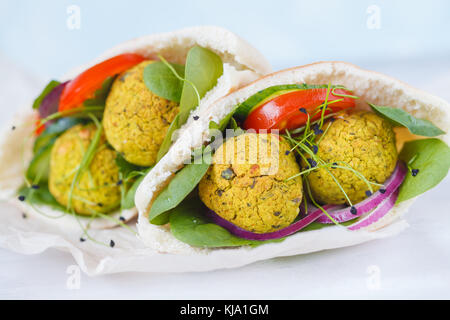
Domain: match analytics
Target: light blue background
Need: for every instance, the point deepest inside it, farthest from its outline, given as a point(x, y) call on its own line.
point(34, 34)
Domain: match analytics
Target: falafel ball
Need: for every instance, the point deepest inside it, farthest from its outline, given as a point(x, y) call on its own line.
point(135, 119)
point(246, 184)
point(365, 142)
point(97, 189)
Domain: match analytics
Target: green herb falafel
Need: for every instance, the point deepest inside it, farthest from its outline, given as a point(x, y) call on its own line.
point(362, 141)
point(97, 189)
point(246, 184)
point(135, 119)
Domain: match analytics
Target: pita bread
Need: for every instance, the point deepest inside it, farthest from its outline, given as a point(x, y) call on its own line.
point(370, 86)
point(242, 64)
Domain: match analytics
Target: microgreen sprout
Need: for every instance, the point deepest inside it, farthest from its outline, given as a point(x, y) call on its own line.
point(306, 147)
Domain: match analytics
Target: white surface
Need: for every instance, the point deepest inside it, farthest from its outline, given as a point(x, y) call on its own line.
point(414, 264)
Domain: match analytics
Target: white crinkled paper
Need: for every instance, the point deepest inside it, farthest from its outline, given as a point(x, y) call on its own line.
point(33, 235)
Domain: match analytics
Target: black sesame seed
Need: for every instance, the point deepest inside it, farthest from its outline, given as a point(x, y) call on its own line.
point(196, 118)
point(368, 193)
point(22, 198)
point(303, 110)
point(276, 213)
point(13, 128)
point(353, 210)
point(121, 218)
point(334, 165)
point(414, 172)
point(317, 130)
point(82, 239)
point(24, 215)
point(112, 243)
point(312, 163)
point(382, 190)
point(100, 204)
point(35, 186)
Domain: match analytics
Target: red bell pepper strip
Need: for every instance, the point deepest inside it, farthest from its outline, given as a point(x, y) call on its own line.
point(290, 110)
point(84, 85)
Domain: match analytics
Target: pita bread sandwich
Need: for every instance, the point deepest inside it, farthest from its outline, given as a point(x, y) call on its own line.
point(76, 156)
point(315, 157)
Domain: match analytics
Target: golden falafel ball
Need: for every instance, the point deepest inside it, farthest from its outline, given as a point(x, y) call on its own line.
point(246, 184)
point(97, 189)
point(135, 119)
point(365, 142)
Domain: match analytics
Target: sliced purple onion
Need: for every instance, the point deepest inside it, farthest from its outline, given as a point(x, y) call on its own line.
point(245, 234)
point(50, 103)
point(367, 205)
point(378, 213)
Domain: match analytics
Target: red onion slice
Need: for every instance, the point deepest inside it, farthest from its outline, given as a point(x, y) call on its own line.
point(245, 234)
point(50, 103)
point(378, 213)
point(367, 205)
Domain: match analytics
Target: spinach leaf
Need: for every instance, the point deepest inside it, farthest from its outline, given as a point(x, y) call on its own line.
point(48, 88)
point(188, 225)
point(100, 95)
point(39, 167)
point(129, 172)
point(244, 108)
point(125, 167)
point(162, 81)
point(167, 142)
point(178, 189)
point(54, 130)
point(432, 158)
point(128, 201)
point(203, 68)
point(402, 118)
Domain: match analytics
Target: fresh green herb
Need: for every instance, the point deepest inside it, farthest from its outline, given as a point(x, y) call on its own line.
point(40, 195)
point(203, 69)
point(167, 142)
point(188, 224)
point(128, 201)
point(178, 189)
point(432, 158)
point(39, 167)
point(54, 130)
point(125, 167)
point(131, 176)
point(402, 118)
point(162, 80)
point(85, 161)
point(48, 88)
point(80, 112)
